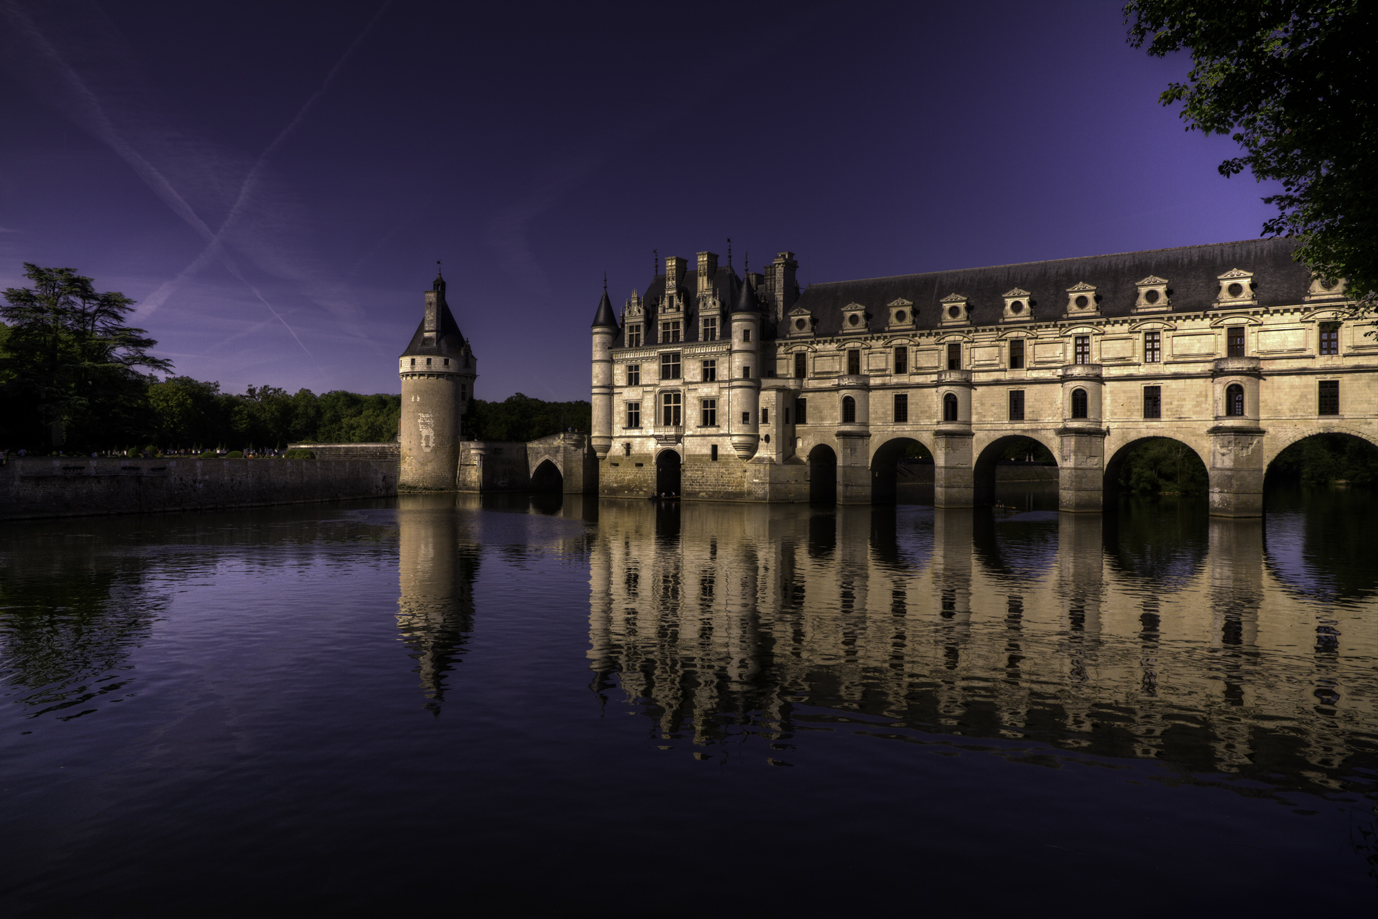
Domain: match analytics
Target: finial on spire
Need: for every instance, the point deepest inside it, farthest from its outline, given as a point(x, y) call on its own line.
point(437, 267)
point(655, 262)
point(729, 252)
point(605, 282)
point(746, 261)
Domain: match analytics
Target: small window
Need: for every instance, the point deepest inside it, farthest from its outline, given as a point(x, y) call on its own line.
point(428, 362)
point(1016, 405)
point(633, 414)
point(746, 418)
point(1234, 341)
point(765, 416)
point(901, 408)
point(848, 410)
point(669, 365)
point(954, 356)
point(1329, 401)
point(746, 373)
point(853, 362)
point(1078, 403)
point(626, 449)
point(787, 421)
point(1234, 400)
point(1153, 347)
point(801, 365)
point(713, 453)
point(633, 374)
point(670, 405)
point(413, 362)
point(1330, 338)
point(949, 407)
point(708, 413)
point(1081, 349)
point(801, 411)
point(710, 328)
point(901, 360)
point(1016, 353)
point(669, 331)
point(634, 335)
point(447, 362)
point(1153, 402)
point(710, 371)
point(746, 335)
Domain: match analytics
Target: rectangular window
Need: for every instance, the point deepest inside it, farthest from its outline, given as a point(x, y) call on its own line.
point(633, 374)
point(746, 373)
point(1081, 349)
point(901, 360)
point(1153, 347)
point(746, 418)
point(633, 335)
point(854, 363)
point(669, 331)
point(626, 449)
point(954, 356)
point(901, 408)
point(1234, 341)
point(1016, 353)
point(670, 410)
point(1330, 338)
point(1329, 402)
point(746, 335)
point(633, 414)
point(801, 365)
point(786, 416)
point(710, 328)
point(1016, 405)
point(669, 365)
point(710, 371)
point(801, 411)
point(765, 416)
point(1153, 402)
point(708, 413)
point(713, 453)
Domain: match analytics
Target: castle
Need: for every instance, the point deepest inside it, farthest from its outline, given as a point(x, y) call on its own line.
point(716, 386)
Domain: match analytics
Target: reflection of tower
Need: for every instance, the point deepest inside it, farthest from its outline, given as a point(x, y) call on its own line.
point(437, 568)
point(438, 371)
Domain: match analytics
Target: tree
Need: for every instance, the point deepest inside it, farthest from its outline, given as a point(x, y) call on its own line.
point(71, 366)
point(1292, 80)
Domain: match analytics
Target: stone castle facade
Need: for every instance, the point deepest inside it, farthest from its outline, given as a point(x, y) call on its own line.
point(438, 370)
point(716, 386)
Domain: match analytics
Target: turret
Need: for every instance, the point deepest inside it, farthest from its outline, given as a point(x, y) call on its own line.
point(745, 385)
point(438, 370)
point(604, 331)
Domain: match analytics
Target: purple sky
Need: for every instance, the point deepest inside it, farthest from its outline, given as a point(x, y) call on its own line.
point(273, 182)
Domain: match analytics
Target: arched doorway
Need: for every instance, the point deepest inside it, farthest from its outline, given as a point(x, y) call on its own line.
point(822, 475)
point(902, 473)
point(547, 478)
point(668, 473)
point(1016, 470)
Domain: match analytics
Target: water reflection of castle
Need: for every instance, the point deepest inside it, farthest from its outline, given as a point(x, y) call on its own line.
point(939, 622)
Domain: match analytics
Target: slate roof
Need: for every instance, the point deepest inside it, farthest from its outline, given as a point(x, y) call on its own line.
point(449, 341)
point(1191, 273)
point(605, 317)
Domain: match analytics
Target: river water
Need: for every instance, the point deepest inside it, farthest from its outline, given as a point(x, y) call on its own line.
point(572, 707)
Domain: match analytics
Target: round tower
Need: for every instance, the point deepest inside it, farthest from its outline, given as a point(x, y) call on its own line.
point(438, 371)
point(745, 386)
point(604, 331)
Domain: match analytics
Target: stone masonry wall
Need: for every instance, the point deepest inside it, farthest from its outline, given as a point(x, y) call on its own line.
point(76, 487)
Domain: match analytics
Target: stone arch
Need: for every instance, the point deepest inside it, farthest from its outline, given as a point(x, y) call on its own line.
point(1114, 461)
point(1279, 440)
point(547, 476)
point(1346, 435)
point(987, 456)
point(885, 468)
point(669, 472)
point(823, 475)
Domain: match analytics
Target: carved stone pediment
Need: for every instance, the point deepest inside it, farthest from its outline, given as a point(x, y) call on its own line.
point(901, 313)
point(854, 318)
point(955, 309)
point(1082, 299)
point(1236, 289)
point(1153, 295)
point(801, 323)
point(1018, 305)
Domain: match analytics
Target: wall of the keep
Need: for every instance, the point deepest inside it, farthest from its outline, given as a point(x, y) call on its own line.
point(75, 487)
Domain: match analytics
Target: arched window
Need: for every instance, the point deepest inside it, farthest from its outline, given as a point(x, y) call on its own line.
point(1078, 403)
point(949, 407)
point(848, 410)
point(1234, 400)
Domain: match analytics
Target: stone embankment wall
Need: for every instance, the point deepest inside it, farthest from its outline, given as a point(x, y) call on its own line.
point(76, 487)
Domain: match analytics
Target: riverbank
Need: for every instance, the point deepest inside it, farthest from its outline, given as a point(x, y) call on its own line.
point(33, 488)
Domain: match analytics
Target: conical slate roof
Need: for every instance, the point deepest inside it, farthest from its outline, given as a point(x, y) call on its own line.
point(605, 318)
point(449, 340)
point(747, 302)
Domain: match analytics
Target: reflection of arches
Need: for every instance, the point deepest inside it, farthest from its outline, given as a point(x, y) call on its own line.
point(668, 473)
point(1023, 547)
point(1164, 544)
point(822, 475)
point(886, 475)
point(1176, 457)
point(983, 469)
point(547, 477)
point(1234, 400)
point(949, 407)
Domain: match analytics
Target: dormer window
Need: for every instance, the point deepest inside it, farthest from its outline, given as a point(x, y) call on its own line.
point(1236, 289)
point(633, 335)
point(801, 323)
point(1082, 300)
point(1152, 295)
point(1326, 289)
point(1018, 306)
point(853, 318)
point(669, 331)
point(901, 314)
point(954, 307)
point(708, 329)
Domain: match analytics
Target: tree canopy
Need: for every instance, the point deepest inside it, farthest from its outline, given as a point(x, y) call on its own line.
point(1293, 82)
